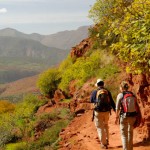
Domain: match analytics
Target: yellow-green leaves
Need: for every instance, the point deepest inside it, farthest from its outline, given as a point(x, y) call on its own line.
point(48, 81)
point(128, 27)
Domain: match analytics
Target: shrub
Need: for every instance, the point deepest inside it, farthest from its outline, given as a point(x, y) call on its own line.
point(98, 63)
point(6, 106)
point(81, 70)
point(108, 71)
point(48, 81)
point(50, 136)
point(15, 146)
point(65, 64)
point(19, 124)
point(123, 26)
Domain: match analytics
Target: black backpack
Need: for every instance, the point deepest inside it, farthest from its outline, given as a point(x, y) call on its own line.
point(102, 101)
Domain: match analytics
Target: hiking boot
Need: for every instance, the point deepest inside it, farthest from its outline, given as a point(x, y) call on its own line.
point(104, 147)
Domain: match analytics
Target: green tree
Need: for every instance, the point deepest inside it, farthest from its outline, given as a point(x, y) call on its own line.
point(125, 25)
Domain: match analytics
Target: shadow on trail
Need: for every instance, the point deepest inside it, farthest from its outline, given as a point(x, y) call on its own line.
point(115, 147)
point(144, 143)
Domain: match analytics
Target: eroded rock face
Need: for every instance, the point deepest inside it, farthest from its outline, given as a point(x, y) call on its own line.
point(80, 49)
point(141, 86)
point(59, 95)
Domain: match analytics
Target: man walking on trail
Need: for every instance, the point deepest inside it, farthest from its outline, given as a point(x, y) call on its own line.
point(127, 110)
point(103, 103)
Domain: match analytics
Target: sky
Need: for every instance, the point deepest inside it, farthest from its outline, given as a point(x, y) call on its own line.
point(44, 16)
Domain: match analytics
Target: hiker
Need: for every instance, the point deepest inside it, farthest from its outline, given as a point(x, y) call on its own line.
point(103, 102)
point(126, 113)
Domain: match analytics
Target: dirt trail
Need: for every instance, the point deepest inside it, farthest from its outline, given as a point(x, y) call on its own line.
point(82, 135)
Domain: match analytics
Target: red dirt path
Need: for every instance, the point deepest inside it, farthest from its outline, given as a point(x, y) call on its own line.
point(81, 134)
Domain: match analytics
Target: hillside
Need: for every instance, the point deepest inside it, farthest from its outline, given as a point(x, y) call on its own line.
point(81, 132)
point(66, 39)
point(23, 55)
point(25, 85)
point(116, 50)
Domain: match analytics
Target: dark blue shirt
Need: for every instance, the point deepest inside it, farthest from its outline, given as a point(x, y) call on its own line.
point(93, 98)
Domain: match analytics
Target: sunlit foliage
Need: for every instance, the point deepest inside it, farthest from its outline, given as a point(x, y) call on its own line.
point(48, 81)
point(125, 25)
point(6, 106)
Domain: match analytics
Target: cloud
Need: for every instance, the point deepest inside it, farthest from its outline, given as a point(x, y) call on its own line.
point(3, 10)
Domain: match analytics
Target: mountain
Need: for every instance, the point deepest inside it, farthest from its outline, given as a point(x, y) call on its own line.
point(23, 55)
point(61, 40)
point(14, 33)
point(22, 47)
point(66, 39)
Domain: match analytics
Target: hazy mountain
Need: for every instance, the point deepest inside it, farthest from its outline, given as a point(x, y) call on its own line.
point(23, 55)
point(62, 40)
point(66, 39)
point(14, 33)
point(22, 47)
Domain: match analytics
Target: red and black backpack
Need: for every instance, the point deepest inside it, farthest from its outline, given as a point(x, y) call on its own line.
point(129, 104)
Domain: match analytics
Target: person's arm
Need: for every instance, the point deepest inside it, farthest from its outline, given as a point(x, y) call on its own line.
point(93, 97)
point(117, 116)
point(118, 105)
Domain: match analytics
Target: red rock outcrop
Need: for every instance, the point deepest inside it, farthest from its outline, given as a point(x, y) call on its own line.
point(141, 86)
point(80, 49)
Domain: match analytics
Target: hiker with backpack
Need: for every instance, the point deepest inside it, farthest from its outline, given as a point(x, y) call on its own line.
point(127, 114)
point(103, 102)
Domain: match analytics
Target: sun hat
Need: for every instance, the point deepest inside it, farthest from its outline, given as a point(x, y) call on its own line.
point(98, 80)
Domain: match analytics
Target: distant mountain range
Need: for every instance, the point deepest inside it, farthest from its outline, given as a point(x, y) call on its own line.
point(62, 40)
point(23, 55)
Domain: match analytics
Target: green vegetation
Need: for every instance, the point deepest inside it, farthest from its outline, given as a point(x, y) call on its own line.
point(97, 63)
point(6, 106)
point(48, 81)
point(86, 67)
point(123, 27)
point(19, 128)
point(121, 31)
point(15, 146)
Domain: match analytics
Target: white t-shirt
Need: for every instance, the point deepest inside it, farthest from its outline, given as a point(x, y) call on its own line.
point(118, 102)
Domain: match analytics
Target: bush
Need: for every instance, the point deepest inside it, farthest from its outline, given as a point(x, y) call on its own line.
point(81, 70)
point(59, 119)
point(123, 26)
point(19, 124)
point(48, 82)
point(6, 106)
point(98, 63)
point(15, 146)
point(108, 71)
